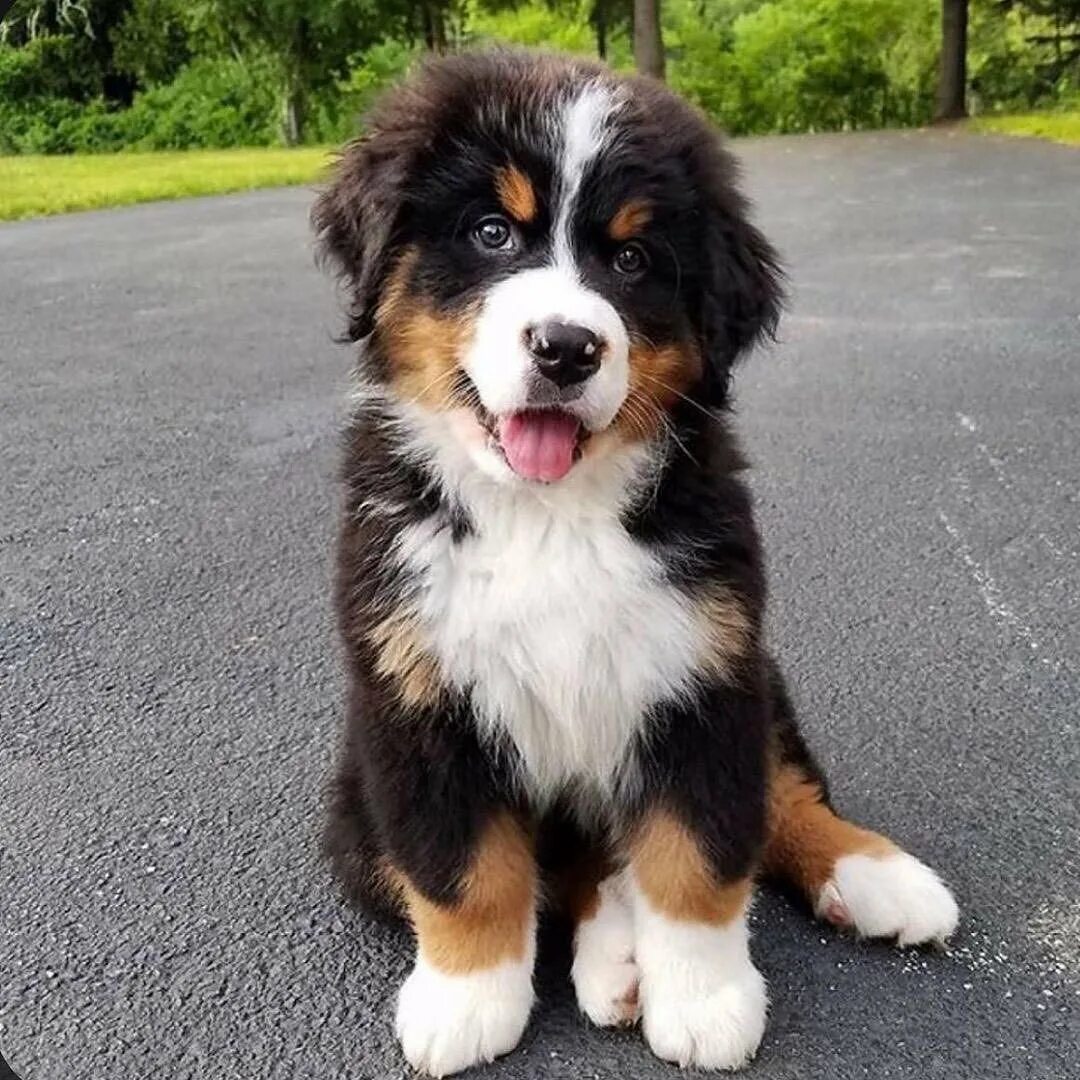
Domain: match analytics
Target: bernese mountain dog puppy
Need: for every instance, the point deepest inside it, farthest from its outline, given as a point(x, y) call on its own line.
point(551, 586)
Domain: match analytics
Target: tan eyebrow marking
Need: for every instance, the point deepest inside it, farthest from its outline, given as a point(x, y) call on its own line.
point(630, 219)
point(516, 193)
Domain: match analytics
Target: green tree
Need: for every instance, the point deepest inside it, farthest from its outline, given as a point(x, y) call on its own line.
point(811, 65)
point(608, 17)
point(1060, 32)
point(90, 24)
point(155, 39)
point(605, 17)
point(310, 41)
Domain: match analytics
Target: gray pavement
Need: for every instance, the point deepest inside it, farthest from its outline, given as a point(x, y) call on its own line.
point(169, 394)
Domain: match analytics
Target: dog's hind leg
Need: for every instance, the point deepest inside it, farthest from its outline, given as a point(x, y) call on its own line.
point(349, 843)
point(851, 877)
point(604, 973)
point(587, 885)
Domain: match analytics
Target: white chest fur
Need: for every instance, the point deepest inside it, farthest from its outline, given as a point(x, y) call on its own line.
point(558, 623)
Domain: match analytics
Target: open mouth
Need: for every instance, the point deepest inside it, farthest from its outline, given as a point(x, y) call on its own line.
point(538, 444)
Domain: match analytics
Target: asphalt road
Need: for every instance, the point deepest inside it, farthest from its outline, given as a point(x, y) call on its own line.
point(170, 686)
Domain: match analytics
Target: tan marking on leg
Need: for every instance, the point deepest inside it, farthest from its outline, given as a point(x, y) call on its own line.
point(630, 219)
point(806, 837)
point(516, 193)
point(726, 630)
point(492, 918)
point(403, 657)
point(676, 879)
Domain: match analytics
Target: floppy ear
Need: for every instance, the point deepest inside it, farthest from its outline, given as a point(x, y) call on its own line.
point(355, 219)
point(742, 294)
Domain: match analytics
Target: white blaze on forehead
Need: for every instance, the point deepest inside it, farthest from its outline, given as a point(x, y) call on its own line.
point(497, 358)
point(586, 131)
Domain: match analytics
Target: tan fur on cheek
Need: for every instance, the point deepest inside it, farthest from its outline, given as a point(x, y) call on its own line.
point(516, 193)
point(630, 219)
point(404, 659)
point(492, 918)
point(675, 877)
point(806, 837)
point(424, 347)
point(659, 375)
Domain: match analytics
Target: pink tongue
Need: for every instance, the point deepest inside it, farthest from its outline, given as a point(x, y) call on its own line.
point(539, 445)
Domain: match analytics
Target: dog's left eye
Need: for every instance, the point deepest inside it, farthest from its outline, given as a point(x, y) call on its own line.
point(631, 260)
point(494, 233)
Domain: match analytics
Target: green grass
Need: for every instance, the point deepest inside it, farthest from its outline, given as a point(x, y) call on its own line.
point(1063, 127)
point(31, 185)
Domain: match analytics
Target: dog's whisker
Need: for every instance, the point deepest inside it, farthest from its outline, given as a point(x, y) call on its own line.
point(678, 393)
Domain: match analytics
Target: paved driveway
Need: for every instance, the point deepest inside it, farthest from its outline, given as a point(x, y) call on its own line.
point(170, 689)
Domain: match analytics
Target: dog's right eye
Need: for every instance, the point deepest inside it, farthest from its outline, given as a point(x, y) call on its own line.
point(494, 233)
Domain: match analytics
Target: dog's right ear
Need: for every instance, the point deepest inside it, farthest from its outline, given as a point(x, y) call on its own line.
point(356, 216)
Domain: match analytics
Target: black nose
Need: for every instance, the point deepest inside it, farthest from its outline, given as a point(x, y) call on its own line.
point(564, 353)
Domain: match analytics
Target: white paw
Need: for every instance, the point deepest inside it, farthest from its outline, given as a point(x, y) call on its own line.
point(703, 1003)
point(446, 1023)
point(895, 896)
point(717, 1024)
point(604, 973)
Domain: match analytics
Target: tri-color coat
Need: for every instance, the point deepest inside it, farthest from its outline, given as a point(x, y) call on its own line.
point(551, 587)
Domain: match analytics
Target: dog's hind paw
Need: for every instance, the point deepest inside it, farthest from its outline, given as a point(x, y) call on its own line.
point(889, 896)
point(604, 974)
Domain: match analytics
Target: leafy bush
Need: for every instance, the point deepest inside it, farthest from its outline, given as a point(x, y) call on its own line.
point(1007, 72)
point(48, 66)
point(536, 25)
point(336, 114)
point(811, 65)
point(211, 103)
point(41, 93)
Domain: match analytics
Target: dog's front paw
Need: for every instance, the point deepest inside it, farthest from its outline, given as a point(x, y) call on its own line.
point(604, 974)
point(447, 1023)
point(707, 1019)
point(891, 896)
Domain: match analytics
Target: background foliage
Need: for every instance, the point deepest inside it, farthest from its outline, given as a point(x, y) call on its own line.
point(81, 75)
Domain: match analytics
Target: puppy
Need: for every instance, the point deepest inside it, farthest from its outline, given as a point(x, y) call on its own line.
point(551, 587)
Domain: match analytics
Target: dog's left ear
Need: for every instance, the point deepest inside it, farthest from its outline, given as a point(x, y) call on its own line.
point(742, 291)
point(356, 216)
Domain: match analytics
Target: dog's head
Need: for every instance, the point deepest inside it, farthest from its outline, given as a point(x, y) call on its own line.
point(549, 252)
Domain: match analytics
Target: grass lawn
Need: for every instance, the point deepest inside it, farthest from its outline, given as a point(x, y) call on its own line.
point(33, 185)
point(1062, 127)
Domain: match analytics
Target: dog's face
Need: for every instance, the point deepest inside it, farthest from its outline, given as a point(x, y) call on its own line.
point(551, 254)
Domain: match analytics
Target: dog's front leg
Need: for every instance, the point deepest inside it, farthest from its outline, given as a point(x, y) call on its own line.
point(470, 992)
point(693, 853)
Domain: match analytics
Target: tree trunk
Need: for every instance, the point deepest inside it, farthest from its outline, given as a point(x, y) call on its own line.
point(434, 28)
point(648, 39)
point(952, 85)
point(599, 21)
point(292, 114)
